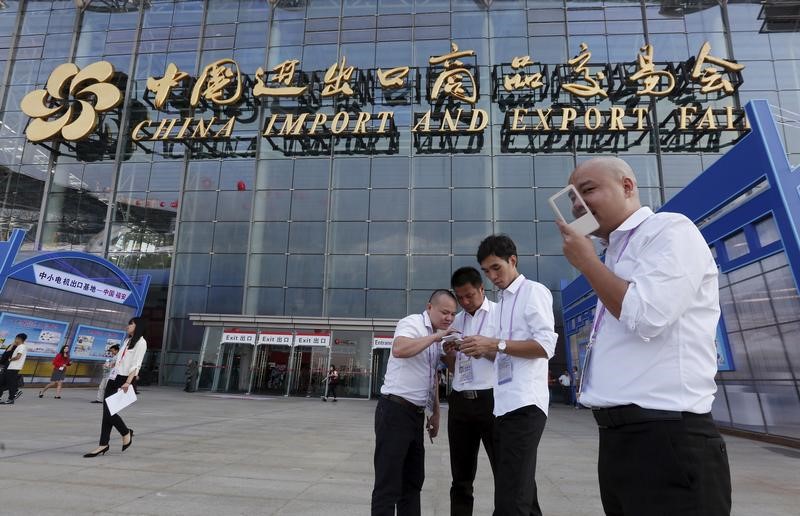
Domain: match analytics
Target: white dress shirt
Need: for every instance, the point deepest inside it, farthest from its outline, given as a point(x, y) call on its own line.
point(412, 378)
point(482, 322)
point(532, 319)
point(16, 365)
point(660, 354)
point(130, 359)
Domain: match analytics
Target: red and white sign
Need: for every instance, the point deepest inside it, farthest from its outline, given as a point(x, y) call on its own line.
point(275, 338)
point(382, 342)
point(312, 339)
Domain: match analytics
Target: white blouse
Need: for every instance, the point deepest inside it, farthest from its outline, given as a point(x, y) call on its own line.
point(130, 359)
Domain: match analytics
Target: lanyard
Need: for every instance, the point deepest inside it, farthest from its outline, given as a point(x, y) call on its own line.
point(431, 356)
point(601, 312)
point(480, 327)
point(513, 308)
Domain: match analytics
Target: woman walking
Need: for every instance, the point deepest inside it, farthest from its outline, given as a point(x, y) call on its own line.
point(333, 381)
point(127, 366)
point(60, 364)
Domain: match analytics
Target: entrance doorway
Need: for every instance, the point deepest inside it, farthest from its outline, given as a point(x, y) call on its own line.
point(309, 370)
point(380, 359)
point(233, 367)
point(271, 370)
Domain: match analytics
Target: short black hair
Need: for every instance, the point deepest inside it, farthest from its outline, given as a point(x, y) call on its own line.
point(466, 276)
point(113, 346)
point(441, 292)
point(499, 245)
point(21, 336)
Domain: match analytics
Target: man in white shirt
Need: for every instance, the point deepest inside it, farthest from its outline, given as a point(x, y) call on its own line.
point(524, 343)
point(409, 393)
point(650, 367)
point(18, 354)
point(470, 420)
point(565, 383)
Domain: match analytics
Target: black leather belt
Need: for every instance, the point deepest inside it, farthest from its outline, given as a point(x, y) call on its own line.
point(613, 417)
point(402, 401)
point(473, 394)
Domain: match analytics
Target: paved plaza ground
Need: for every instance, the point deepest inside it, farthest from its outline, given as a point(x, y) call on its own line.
point(199, 453)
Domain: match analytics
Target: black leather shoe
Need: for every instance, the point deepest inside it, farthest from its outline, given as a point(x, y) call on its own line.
point(126, 446)
point(95, 401)
point(101, 451)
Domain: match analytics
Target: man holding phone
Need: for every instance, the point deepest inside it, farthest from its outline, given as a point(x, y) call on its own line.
point(409, 394)
point(470, 420)
point(651, 361)
point(523, 343)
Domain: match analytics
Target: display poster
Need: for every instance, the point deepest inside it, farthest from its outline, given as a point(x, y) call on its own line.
point(92, 343)
point(45, 336)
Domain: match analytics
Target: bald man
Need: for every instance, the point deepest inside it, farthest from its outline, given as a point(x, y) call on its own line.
point(651, 361)
point(409, 394)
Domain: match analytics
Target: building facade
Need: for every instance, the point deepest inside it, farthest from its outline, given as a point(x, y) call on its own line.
point(319, 166)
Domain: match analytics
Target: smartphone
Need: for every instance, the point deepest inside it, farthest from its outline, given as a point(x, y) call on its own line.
point(570, 207)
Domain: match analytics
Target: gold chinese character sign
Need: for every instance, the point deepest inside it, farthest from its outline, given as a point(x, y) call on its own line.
point(70, 102)
point(451, 81)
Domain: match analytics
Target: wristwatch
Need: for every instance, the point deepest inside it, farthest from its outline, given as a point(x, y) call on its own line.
point(501, 346)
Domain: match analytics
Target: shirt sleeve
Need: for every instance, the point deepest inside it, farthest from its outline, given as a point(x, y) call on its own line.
point(540, 319)
point(138, 355)
point(408, 327)
point(667, 274)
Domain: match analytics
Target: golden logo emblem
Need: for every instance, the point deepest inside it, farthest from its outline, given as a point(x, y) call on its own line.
point(69, 104)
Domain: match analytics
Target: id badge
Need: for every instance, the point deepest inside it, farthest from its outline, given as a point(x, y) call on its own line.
point(505, 370)
point(465, 368)
point(113, 374)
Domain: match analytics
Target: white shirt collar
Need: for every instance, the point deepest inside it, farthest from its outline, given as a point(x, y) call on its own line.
point(515, 285)
point(426, 320)
point(483, 308)
point(632, 222)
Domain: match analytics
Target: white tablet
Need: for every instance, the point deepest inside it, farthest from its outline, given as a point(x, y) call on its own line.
point(570, 207)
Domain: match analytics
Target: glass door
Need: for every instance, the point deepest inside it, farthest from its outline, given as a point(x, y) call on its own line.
point(233, 367)
point(271, 369)
point(380, 359)
point(309, 370)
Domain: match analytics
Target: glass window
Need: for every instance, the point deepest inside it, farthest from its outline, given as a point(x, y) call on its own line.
point(195, 237)
point(472, 171)
point(431, 204)
point(389, 272)
point(513, 171)
point(234, 205)
point(349, 205)
point(274, 174)
point(752, 303)
point(348, 237)
point(431, 172)
point(522, 233)
point(430, 238)
point(187, 300)
point(470, 25)
point(346, 303)
point(272, 205)
point(351, 173)
point(304, 301)
point(783, 293)
point(390, 172)
point(265, 301)
point(231, 237)
point(227, 269)
point(507, 24)
point(736, 245)
point(225, 300)
point(267, 270)
point(514, 204)
point(307, 237)
point(347, 271)
point(388, 205)
point(309, 205)
point(191, 269)
point(386, 303)
point(467, 236)
point(305, 270)
point(388, 237)
point(472, 204)
point(767, 231)
point(430, 272)
point(196, 205)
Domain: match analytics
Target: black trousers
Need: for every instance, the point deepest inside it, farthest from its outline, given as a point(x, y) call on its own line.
point(516, 440)
point(665, 468)
point(332, 390)
point(110, 421)
point(11, 382)
point(399, 459)
point(469, 422)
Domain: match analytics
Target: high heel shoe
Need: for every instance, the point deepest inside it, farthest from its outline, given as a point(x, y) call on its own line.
point(101, 451)
point(41, 394)
point(130, 442)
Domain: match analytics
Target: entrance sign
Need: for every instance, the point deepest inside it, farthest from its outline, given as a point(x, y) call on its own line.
point(382, 342)
point(45, 336)
point(580, 105)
